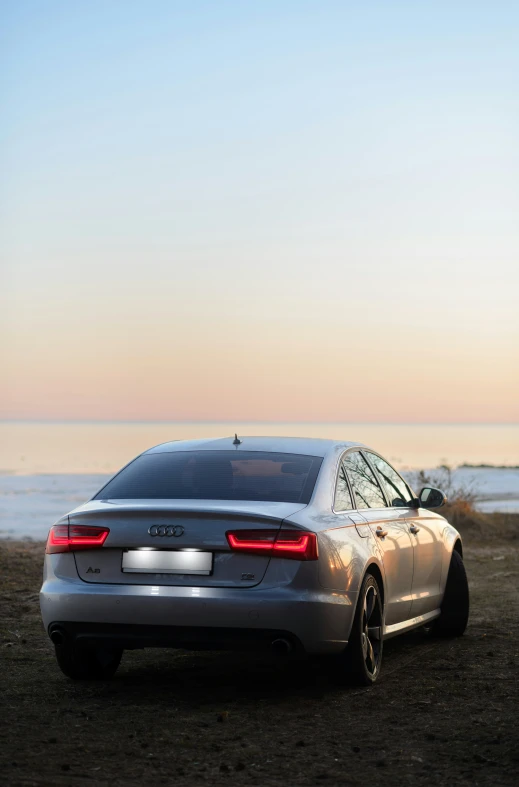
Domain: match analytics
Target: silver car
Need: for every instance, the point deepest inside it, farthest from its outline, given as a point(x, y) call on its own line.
point(291, 544)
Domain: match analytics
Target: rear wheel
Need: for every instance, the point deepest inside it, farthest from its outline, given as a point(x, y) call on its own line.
point(361, 661)
point(455, 605)
point(85, 662)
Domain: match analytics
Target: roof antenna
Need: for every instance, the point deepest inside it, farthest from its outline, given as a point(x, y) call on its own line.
point(236, 441)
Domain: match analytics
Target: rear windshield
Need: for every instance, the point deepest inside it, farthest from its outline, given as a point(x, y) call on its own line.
point(216, 475)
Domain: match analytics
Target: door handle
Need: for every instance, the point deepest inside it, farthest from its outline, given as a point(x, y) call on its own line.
point(414, 529)
point(381, 533)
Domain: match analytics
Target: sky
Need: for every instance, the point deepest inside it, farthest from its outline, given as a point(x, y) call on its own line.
point(280, 211)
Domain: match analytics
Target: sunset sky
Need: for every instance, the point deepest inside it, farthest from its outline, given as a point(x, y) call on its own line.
point(281, 211)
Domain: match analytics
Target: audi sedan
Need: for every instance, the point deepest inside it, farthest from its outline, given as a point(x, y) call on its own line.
point(299, 546)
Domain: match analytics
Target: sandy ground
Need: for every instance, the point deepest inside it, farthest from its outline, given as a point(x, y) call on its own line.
point(443, 712)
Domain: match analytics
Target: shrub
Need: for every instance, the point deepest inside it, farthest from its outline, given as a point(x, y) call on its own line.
point(461, 496)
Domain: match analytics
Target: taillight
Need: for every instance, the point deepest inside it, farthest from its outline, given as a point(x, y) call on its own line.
point(69, 538)
point(291, 544)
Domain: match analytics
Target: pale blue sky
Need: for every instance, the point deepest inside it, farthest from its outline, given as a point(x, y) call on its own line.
point(189, 181)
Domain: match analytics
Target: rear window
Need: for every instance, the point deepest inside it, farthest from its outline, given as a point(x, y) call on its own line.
point(216, 475)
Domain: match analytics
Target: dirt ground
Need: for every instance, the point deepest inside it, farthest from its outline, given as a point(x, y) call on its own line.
point(443, 712)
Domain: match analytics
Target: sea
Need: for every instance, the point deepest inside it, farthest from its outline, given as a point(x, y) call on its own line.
point(46, 469)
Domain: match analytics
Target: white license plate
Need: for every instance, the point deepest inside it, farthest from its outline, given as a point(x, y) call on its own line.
point(167, 561)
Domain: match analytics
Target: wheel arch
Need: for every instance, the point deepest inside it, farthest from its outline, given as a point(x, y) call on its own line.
point(458, 547)
point(451, 543)
point(374, 569)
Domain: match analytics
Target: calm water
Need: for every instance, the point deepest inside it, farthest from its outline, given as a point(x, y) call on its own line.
point(48, 469)
point(32, 448)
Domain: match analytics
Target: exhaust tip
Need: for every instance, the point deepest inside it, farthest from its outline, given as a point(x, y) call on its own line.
point(57, 637)
point(281, 647)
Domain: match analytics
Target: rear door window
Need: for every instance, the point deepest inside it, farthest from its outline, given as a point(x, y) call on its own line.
point(216, 475)
point(368, 493)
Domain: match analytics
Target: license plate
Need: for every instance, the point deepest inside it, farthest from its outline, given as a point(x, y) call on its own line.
point(167, 561)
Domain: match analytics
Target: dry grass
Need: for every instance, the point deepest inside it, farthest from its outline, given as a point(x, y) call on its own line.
point(461, 510)
point(474, 524)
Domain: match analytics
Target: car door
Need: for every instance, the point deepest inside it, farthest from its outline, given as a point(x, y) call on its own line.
point(391, 533)
point(425, 534)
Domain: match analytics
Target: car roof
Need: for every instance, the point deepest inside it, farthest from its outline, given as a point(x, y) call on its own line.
point(310, 446)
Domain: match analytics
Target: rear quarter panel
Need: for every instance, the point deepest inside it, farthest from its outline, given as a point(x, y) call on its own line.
point(343, 553)
point(343, 558)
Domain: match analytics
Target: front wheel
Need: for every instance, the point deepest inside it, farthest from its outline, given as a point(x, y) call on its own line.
point(85, 662)
point(455, 605)
point(361, 661)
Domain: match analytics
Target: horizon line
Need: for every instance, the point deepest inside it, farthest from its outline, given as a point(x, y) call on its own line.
point(203, 421)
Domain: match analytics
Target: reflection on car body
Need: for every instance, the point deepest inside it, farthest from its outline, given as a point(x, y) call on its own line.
point(293, 544)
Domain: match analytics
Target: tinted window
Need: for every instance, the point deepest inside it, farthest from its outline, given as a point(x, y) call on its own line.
point(367, 491)
point(216, 475)
point(396, 489)
point(343, 500)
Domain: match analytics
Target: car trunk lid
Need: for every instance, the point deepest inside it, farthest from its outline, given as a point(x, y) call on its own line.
point(143, 531)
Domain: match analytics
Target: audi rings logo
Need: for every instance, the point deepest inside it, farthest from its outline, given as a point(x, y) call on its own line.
point(166, 530)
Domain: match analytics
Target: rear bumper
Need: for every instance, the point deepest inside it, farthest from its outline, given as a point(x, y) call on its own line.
point(134, 635)
point(147, 615)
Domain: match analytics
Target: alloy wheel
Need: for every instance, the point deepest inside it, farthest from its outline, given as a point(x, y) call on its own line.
point(371, 631)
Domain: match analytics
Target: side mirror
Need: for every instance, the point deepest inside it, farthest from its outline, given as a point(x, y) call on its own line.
point(431, 497)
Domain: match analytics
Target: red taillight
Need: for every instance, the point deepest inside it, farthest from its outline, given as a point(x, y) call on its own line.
point(291, 544)
point(69, 538)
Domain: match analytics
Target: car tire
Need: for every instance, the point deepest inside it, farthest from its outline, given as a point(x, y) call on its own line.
point(82, 662)
point(455, 605)
point(361, 661)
